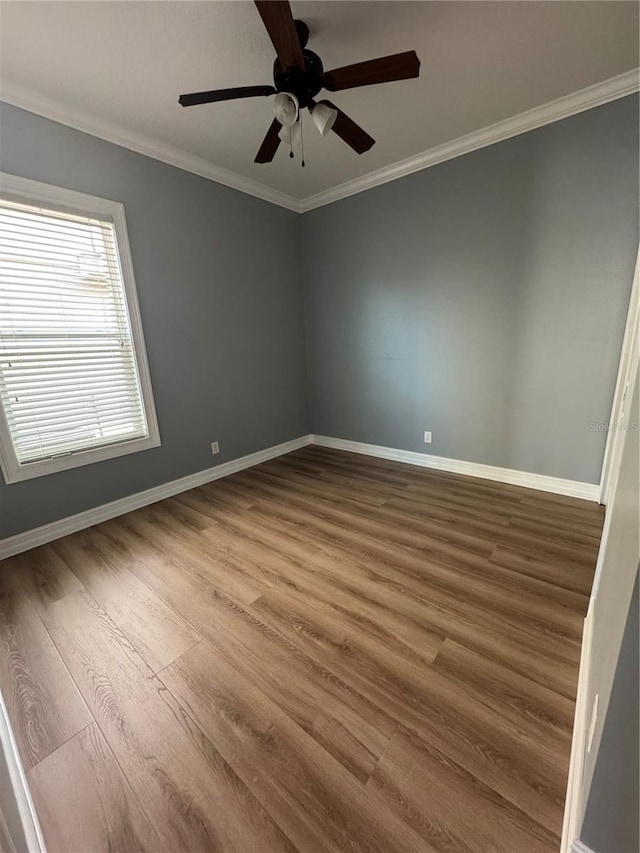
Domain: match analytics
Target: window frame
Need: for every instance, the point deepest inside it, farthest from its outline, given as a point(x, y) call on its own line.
point(24, 189)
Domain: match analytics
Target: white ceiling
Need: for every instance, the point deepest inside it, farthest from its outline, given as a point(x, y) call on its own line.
point(123, 65)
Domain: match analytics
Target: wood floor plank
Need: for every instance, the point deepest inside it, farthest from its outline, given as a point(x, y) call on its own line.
point(503, 689)
point(300, 481)
point(559, 523)
point(569, 576)
point(340, 516)
point(449, 806)
point(372, 471)
point(321, 490)
point(350, 728)
point(43, 702)
point(318, 803)
point(431, 528)
point(542, 657)
point(163, 530)
point(415, 475)
point(399, 640)
point(507, 757)
point(562, 504)
point(481, 580)
point(193, 795)
point(589, 539)
point(132, 541)
point(205, 504)
point(444, 506)
point(439, 501)
point(327, 652)
point(213, 493)
point(82, 781)
point(44, 576)
point(125, 545)
point(190, 518)
point(447, 587)
point(536, 710)
point(352, 613)
point(577, 551)
point(156, 631)
point(310, 695)
point(417, 479)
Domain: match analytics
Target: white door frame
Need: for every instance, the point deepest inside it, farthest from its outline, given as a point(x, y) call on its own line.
point(17, 813)
point(629, 361)
point(628, 358)
point(574, 805)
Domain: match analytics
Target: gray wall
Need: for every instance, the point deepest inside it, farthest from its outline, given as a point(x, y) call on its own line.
point(483, 299)
point(221, 306)
point(612, 815)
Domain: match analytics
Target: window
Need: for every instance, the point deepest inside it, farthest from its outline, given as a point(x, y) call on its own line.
point(74, 381)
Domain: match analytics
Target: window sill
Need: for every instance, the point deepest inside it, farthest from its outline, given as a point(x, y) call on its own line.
point(13, 472)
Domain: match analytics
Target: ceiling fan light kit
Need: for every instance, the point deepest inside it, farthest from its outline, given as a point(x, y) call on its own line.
point(290, 134)
point(323, 117)
point(286, 108)
point(298, 76)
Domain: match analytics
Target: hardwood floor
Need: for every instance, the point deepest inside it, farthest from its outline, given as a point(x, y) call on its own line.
point(327, 652)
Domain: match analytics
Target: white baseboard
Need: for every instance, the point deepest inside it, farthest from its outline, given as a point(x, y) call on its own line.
point(571, 488)
point(580, 847)
point(56, 529)
point(19, 820)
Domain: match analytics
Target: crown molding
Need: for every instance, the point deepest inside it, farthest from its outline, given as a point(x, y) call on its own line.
point(567, 105)
point(32, 102)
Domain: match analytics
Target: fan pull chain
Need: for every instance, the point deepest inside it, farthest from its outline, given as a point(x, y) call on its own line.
point(301, 143)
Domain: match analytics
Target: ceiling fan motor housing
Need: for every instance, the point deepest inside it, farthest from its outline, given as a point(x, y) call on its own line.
point(306, 84)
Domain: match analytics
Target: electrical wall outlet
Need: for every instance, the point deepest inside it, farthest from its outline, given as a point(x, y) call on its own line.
point(427, 437)
point(215, 447)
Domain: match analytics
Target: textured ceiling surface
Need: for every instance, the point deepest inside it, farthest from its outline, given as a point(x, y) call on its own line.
point(125, 63)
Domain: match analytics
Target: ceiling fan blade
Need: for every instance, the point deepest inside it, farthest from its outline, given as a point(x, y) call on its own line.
point(349, 131)
point(269, 143)
point(398, 66)
point(277, 18)
point(224, 95)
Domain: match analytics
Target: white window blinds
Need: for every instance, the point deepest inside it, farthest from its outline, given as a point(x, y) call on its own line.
point(69, 380)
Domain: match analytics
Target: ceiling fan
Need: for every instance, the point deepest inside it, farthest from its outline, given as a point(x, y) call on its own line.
point(298, 76)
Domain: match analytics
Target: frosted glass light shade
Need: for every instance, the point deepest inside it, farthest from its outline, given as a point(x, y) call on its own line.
point(324, 118)
point(286, 108)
